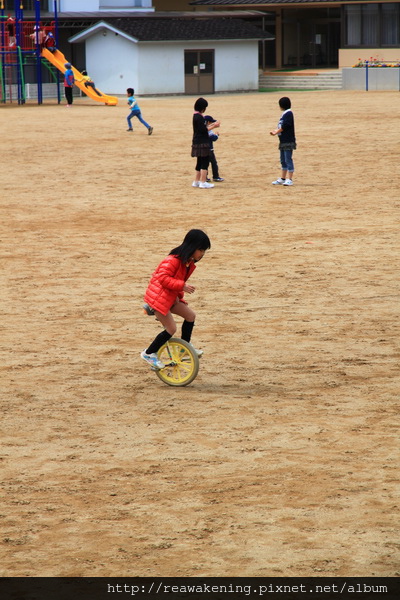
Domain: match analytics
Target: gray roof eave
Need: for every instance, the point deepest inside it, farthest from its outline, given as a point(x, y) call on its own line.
point(197, 41)
point(164, 35)
point(87, 33)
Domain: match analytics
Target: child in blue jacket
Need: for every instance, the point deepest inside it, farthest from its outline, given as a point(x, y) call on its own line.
point(135, 111)
point(69, 81)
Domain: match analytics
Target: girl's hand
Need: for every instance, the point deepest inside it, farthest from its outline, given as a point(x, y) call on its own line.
point(189, 289)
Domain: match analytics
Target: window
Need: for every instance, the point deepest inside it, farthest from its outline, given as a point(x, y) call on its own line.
point(390, 25)
point(372, 24)
point(353, 25)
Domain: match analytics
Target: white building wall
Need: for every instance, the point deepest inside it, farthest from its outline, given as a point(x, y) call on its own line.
point(75, 5)
point(115, 63)
point(236, 66)
point(98, 5)
point(161, 66)
point(112, 62)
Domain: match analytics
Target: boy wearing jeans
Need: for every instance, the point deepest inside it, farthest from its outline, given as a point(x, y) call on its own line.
point(287, 142)
point(135, 112)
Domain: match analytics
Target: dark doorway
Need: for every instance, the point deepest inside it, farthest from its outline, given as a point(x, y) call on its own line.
point(323, 45)
point(311, 38)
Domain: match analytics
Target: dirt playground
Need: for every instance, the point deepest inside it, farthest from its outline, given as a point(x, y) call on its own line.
point(281, 458)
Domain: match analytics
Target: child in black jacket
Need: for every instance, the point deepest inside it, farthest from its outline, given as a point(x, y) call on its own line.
point(213, 137)
point(287, 142)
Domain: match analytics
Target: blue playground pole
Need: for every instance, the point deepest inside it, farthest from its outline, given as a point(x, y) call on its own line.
point(38, 55)
point(56, 32)
point(18, 56)
point(56, 21)
point(2, 42)
point(366, 76)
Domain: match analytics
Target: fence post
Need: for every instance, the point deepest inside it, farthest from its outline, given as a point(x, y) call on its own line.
point(366, 76)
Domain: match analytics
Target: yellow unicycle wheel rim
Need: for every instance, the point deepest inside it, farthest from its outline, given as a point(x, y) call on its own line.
point(181, 363)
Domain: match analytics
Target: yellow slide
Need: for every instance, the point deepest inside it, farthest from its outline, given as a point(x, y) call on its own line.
point(58, 59)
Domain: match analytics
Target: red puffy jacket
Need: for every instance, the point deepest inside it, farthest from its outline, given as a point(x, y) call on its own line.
point(166, 283)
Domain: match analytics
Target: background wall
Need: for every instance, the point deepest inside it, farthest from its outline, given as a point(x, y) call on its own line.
point(75, 5)
point(236, 66)
point(378, 79)
point(161, 68)
point(349, 57)
point(95, 5)
point(112, 61)
point(115, 63)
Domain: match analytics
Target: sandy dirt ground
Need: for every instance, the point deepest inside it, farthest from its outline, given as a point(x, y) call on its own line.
point(281, 458)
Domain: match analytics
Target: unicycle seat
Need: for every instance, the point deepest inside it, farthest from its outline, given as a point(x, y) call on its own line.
point(148, 310)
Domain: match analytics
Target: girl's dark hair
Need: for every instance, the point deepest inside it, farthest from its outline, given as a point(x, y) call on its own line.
point(200, 104)
point(194, 240)
point(130, 91)
point(285, 103)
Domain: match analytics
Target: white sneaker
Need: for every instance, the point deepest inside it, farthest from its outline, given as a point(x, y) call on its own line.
point(205, 184)
point(279, 181)
point(152, 359)
point(198, 352)
point(288, 182)
point(195, 183)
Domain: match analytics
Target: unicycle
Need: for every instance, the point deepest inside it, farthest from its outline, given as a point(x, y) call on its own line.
point(180, 360)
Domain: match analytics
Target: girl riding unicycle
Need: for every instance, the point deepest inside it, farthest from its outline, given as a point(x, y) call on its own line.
point(175, 360)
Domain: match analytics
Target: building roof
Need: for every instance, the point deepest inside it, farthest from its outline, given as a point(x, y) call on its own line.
point(83, 20)
point(178, 29)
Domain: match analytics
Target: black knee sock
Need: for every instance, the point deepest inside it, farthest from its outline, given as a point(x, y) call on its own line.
point(187, 328)
point(159, 341)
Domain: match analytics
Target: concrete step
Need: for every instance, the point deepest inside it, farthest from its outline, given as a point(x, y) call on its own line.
point(300, 79)
point(328, 80)
point(295, 86)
